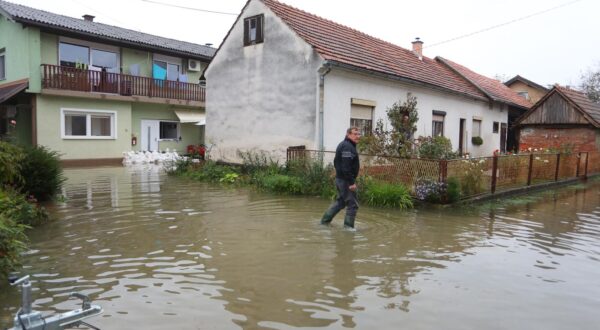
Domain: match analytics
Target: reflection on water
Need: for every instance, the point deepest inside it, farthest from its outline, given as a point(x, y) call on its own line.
point(160, 252)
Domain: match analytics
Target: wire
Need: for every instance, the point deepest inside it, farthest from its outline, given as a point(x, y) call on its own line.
point(191, 8)
point(99, 12)
point(502, 24)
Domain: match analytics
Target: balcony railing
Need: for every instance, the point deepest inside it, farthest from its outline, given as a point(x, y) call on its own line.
point(67, 78)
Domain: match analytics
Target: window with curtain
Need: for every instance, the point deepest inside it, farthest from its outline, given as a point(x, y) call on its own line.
point(437, 125)
point(74, 56)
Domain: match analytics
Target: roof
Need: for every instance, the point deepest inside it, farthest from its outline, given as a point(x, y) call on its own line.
point(35, 17)
point(339, 43)
point(526, 82)
point(11, 89)
point(589, 108)
point(496, 90)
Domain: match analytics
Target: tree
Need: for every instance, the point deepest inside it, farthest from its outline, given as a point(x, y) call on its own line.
point(590, 84)
point(398, 141)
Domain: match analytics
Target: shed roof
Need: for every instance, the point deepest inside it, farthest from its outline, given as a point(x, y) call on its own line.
point(339, 43)
point(79, 27)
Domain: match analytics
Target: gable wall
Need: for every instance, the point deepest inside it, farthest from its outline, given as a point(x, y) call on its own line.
point(22, 50)
point(555, 110)
point(534, 93)
point(262, 96)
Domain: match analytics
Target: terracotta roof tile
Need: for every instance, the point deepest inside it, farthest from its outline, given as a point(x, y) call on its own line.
point(340, 43)
point(581, 100)
point(494, 88)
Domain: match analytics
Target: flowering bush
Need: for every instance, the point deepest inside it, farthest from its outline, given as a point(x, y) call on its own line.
point(430, 190)
point(472, 179)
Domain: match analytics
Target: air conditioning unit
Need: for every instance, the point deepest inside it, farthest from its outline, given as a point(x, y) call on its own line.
point(193, 65)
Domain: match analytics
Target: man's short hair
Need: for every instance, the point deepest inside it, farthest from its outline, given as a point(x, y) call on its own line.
point(353, 128)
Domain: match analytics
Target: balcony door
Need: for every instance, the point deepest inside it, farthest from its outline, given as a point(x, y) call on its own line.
point(150, 135)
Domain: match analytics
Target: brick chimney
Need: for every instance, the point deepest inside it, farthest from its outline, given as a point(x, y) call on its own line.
point(88, 18)
point(417, 47)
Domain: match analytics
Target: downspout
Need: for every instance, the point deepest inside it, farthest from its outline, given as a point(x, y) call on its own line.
point(323, 71)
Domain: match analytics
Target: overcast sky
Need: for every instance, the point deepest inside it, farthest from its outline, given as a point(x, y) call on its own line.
point(555, 46)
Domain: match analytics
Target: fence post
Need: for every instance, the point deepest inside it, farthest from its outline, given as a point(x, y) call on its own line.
point(443, 170)
point(530, 170)
point(557, 166)
point(587, 158)
point(494, 172)
point(578, 163)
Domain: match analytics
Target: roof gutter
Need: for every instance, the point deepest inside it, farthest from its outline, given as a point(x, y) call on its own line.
point(400, 78)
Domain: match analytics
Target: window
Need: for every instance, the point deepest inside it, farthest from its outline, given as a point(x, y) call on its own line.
point(74, 56)
point(495, 127)
point(88, 124)
point(361, 116)
point(476, 127)
point(86, 55)
point(253, 30)
point(2, 64)
point(524, 94)
point(169, 130)
point(437, 124)
point(165, 70)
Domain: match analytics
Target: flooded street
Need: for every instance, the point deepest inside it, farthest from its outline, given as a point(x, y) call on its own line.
point(160, 252)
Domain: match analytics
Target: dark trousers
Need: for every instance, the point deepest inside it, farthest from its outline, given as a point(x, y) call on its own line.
point(345, 198)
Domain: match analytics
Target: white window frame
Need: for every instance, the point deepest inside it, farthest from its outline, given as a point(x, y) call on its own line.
point(3, 55)
point(88, 124)
point(178, 129)
point(479, 122)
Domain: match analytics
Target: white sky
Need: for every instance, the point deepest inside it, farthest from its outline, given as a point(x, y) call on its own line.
point(553, 47)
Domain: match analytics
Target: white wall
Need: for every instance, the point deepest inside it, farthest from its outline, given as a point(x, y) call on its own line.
point(341, 86)
point(261, 96)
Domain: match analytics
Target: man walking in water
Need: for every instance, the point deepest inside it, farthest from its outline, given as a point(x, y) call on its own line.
point(346, 170)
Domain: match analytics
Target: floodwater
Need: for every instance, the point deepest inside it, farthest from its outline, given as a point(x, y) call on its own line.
point(159, 252)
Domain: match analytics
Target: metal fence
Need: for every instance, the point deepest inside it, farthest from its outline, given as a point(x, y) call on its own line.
point(476, 176)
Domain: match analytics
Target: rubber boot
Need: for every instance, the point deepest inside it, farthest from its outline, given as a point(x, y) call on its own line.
point(328, 216)
point(349, 221)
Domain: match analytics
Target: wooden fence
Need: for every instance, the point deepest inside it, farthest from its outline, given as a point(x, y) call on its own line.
point(476, 175)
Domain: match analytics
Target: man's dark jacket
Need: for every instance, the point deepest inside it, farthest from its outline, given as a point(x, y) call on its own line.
point(346, 161)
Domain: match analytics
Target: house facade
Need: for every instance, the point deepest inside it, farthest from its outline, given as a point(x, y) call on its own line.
point(91, 91)
point(283, 77)
point(564, 120)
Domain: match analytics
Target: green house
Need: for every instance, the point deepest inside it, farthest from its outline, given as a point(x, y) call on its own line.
point(92, 91)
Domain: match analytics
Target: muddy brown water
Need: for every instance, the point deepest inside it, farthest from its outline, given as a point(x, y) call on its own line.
point(160, 252)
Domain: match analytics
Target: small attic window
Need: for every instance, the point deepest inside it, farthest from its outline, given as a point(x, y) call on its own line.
point(253, 30)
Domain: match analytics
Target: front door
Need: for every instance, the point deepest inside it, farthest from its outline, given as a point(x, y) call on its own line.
point(503, 134)
point(461, 137)
point(150, 131)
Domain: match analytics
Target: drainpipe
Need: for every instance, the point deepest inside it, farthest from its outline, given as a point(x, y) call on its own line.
point(323, 71)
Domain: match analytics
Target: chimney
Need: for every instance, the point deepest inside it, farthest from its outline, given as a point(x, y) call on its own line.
point(418, 47)
point(88, 18)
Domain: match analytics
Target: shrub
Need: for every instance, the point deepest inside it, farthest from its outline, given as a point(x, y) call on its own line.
point(452, 190)
point(211, 171)
point(281, 183)
point(386, 194)
point(178, 167)
point(14, 206)
point(472, 179)
point(42, 172)
point(477, 140)
point(11, 157)
point(253, 162)
point(437, 147)
point(316, 178)
point(430, 190)
point(12, 244)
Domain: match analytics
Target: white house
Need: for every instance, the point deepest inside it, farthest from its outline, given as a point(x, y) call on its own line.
point(284, 77)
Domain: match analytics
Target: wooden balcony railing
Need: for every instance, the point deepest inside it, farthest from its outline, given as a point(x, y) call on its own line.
point(67, 78)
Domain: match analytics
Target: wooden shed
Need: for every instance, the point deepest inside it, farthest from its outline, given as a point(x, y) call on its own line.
point(564, 119)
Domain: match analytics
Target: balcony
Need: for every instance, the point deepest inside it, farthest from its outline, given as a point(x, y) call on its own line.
point(72, 79)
